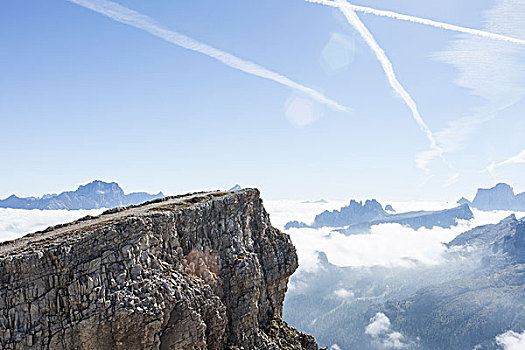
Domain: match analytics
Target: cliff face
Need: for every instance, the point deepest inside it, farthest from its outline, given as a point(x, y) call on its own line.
point(201, 271)
point(499, 197)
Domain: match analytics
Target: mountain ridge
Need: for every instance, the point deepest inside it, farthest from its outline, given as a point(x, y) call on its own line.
point(94, 195)
point(358, 217)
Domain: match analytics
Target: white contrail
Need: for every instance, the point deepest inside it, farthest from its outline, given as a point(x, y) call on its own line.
point(420, 20)
point(517, 159)
point(354, 20)
point(124, 15)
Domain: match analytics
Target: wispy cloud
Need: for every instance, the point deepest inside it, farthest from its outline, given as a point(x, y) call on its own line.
point(132, 18)
point(425, 21)
point(517, 159)
point(491, 70)
point(354, 20)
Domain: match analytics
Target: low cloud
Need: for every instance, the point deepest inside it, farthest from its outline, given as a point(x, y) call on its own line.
point(511, 340)
point(344, 294)
point(379, 324)
point(15, 223)
point(381, 332)
point(388, 245)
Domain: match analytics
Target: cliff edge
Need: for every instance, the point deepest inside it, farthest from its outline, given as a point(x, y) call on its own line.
point(200, 271)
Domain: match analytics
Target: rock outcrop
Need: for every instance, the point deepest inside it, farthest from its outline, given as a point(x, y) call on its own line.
point(499, 197)
point(506, 237)
point(94, 195)
point(200, 271)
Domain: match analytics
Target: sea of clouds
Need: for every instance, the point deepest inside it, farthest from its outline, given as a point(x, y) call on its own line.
point(386, 245)
point(15, 223)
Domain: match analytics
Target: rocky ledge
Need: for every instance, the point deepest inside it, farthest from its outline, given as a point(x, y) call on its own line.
point(200, 271)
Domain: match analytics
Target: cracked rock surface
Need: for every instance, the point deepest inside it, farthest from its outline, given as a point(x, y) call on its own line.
point(200, 271)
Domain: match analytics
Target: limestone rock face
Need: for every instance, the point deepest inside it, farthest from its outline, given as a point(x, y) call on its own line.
point(200, 271)
point(499, 197)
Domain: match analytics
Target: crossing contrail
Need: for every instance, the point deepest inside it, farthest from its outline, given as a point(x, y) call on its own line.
point(132, 18)
point(420, 20)
point(354, 21)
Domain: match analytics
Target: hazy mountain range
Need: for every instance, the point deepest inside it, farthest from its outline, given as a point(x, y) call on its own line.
point(358, 217)
point(94, 195)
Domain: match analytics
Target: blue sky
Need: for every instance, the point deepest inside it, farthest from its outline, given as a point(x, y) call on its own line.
point(84, 97)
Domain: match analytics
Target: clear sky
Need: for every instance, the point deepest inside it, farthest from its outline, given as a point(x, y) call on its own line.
point(85, 97)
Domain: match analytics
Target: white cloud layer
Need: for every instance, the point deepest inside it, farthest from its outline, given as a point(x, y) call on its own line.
point(344, 294)
point(15, 223)
point(511, 340)
point(385, 245)
point(132, 18)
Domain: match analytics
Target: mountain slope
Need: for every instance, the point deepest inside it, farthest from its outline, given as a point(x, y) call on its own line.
point(476, 293)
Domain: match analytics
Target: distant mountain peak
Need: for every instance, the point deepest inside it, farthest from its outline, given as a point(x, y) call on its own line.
point(94, 195)
point(389, 207)
point(237, 187)
point(499, 197)
point(463, 200)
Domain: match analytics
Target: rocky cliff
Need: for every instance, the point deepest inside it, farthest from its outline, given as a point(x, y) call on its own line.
point(200, 271)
